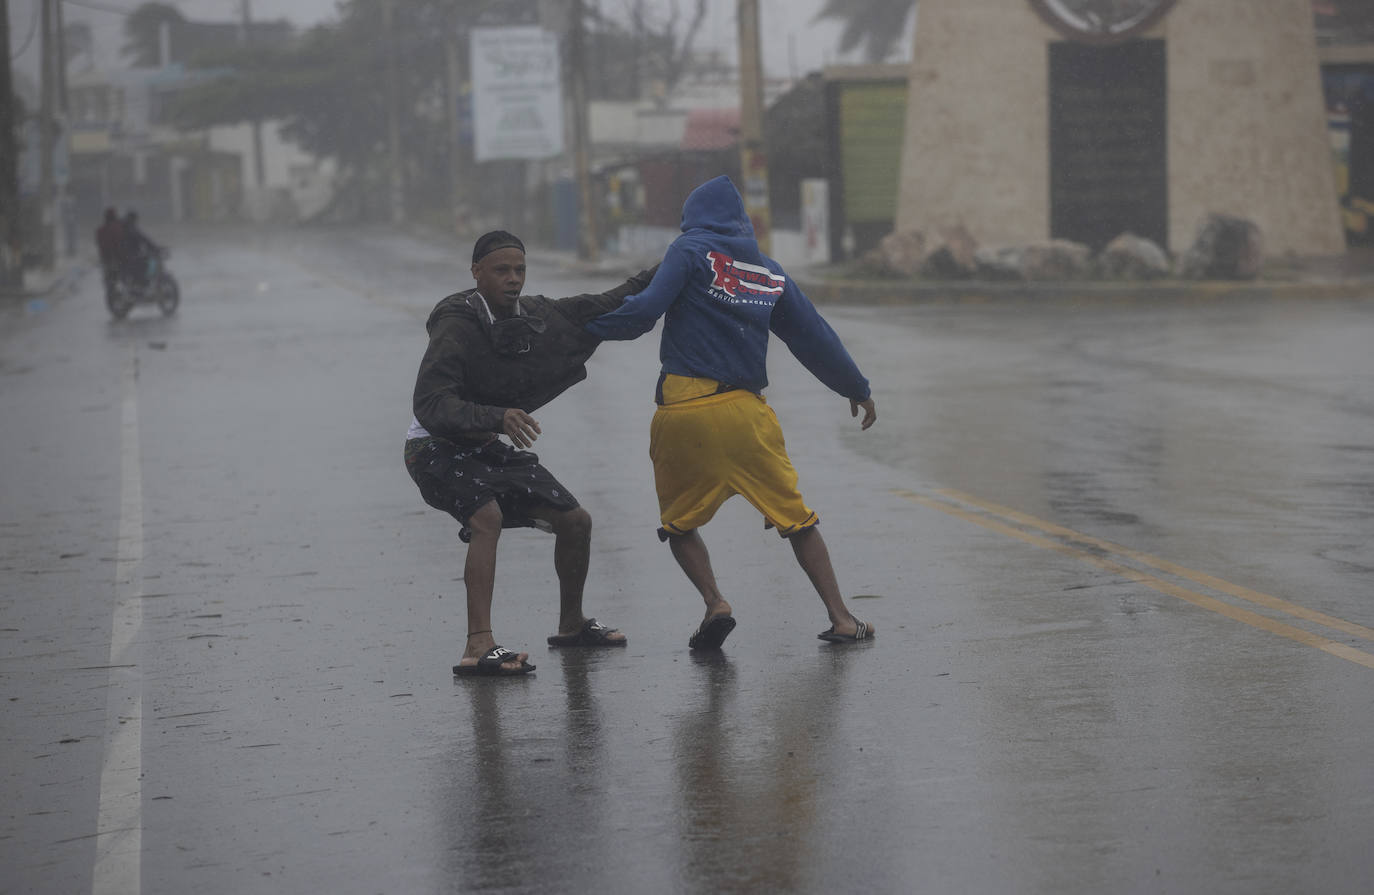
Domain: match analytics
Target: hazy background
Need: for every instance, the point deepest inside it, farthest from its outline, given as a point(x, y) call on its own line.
point(794, 41)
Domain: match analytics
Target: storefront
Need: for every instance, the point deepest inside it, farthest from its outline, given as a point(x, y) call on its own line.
point(1348, 82)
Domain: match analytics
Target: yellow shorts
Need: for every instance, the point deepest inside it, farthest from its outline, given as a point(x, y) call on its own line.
point(709, 447)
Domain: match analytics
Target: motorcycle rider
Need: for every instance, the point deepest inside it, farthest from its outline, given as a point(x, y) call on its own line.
point(140, 252)
point(109, 240)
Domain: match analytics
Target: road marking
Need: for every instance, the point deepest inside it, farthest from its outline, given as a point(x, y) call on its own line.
point(947, 504)
point(119, 824)
point(1211, 581)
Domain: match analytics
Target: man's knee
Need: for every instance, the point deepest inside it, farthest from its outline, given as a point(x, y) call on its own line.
point(674, 535)
point(576, 523)
point(487, 519)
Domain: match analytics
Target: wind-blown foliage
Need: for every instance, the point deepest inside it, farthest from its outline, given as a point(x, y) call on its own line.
point(876, 25)
point(142, 33)
point(330, 87)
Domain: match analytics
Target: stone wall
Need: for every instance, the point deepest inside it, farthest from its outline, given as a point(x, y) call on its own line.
point(1247, 129)
point(1248, 132)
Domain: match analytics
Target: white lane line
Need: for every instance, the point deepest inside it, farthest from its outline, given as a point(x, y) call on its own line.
point(119, 830)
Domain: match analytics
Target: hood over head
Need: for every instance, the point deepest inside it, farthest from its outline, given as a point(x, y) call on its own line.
point(717, 206)
point(456, 305)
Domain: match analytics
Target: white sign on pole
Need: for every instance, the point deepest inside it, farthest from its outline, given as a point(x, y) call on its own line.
point(517, 93)
point(815, 213)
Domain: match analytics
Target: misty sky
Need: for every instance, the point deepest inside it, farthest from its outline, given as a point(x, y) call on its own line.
point(793, 43)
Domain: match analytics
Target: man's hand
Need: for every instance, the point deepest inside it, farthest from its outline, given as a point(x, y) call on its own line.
point(870, 412)
point(520, 427)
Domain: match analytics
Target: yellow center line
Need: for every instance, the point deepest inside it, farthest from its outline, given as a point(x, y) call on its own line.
point(1244, 593)
point(1212, 604)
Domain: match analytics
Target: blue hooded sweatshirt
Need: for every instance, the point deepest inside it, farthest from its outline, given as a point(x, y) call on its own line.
point(722, 296)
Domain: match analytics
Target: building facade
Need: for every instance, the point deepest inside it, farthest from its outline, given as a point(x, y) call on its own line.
point(1020, 133)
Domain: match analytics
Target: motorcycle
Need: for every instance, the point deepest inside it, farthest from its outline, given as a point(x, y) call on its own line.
point(156, 287)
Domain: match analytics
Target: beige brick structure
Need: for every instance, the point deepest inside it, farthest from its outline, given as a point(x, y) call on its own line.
point(1246, 125)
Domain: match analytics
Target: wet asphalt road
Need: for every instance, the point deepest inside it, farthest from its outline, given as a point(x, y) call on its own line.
point(1119, 554)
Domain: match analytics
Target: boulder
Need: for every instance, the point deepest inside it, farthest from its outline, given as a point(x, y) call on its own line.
point(1132, 257)
point(998, 263)
point(1226, 248)
point(899, 254)
point(953, 257)
point(1056, 259)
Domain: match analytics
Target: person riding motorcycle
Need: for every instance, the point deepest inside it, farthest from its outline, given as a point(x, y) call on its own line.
point(109, 240)
point(139, 275)
point(140, 252)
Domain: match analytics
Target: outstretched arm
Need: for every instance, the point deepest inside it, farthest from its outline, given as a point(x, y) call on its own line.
point(811, 340)
point(582, 308)
point(640, 312)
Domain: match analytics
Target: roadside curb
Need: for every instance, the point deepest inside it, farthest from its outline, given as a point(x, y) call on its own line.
point(612, 266)
point(60, 280)
point(869, 292)
point(823, 289)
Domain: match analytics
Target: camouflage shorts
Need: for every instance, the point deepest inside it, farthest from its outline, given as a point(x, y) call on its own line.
point(460, 479)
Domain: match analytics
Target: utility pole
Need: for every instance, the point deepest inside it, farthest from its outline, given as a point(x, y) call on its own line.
point(11, 269)
point(259, 175)
point(65, 212)
point(60, 37)
point(753, 159)
point(393, 115)
point(455, 137)
point(45, 138)
point(588, 242)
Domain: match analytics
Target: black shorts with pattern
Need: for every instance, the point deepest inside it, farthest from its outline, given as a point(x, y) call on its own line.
point(461, 478)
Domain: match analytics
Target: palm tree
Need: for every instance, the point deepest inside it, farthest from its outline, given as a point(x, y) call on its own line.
point(142, 33)
point(876, 24)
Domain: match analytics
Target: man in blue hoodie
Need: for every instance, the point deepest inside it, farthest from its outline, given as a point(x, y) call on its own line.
point(713, 434)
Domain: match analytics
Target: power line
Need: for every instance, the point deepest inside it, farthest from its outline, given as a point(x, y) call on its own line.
point(101, 7)
point(84, 4)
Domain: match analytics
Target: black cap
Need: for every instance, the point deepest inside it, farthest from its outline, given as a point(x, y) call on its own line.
point(496, 239)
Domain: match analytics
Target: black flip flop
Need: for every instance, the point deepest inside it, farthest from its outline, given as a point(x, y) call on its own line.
point(864, 632)
point(712, 632)
point(491, 665)
point(591, 634)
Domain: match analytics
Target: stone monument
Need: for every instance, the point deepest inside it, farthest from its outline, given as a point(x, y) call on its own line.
point(1084, 119)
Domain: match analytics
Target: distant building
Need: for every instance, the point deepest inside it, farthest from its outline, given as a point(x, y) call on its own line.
point(648, 154)
point(1346, 51)
point(125, 153)
point(845, 125)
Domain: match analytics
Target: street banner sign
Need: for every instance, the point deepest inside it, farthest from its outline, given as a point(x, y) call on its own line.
point(517, 93)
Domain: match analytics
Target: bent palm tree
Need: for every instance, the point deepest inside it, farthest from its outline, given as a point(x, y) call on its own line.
point(876, 24)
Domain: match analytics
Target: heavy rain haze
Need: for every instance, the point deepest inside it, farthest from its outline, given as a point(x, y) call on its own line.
point(1104, 271)
point(795, 40)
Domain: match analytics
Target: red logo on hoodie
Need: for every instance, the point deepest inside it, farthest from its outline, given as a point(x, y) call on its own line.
point(729, 276)
point(723, 268)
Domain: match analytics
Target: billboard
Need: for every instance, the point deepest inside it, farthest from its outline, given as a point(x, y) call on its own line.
point(517, 93)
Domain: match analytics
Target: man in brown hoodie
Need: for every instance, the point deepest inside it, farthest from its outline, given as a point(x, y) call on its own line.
point(494, 357)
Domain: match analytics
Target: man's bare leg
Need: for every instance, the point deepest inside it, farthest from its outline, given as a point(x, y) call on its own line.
point(479, 578)
point(572, 548)
point(691, 554)
point(814, 558)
